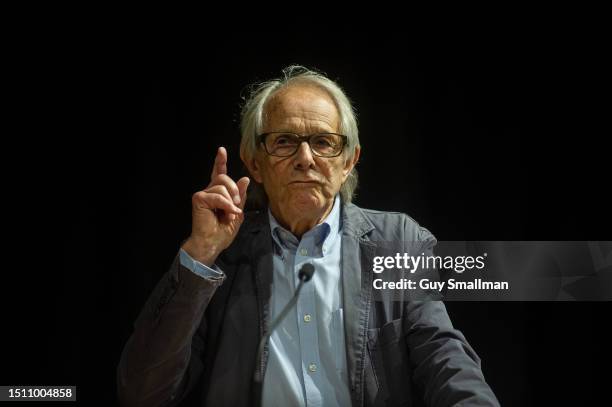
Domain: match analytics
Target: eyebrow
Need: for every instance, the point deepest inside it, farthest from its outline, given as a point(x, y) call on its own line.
point(293, 132)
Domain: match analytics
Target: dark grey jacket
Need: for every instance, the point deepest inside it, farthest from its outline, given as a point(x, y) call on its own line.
point(195, 341)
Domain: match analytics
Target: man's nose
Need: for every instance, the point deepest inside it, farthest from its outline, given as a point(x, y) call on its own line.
point(303, 156)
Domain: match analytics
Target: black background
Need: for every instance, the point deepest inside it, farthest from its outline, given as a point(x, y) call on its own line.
point(475, 140)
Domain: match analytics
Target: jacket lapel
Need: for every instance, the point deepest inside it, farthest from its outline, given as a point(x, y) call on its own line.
point(261, 254)
point(357, 254)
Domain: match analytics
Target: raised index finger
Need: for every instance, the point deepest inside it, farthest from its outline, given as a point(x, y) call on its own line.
point(220, 166)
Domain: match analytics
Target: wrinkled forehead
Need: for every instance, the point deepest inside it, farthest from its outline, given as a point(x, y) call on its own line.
point(301, 108)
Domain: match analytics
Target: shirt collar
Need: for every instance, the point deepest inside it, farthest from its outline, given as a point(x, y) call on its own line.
point(324, 233)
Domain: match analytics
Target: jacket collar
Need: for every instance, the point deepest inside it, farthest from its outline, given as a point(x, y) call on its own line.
point(354, 220)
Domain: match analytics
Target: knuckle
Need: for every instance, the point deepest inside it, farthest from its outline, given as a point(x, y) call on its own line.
point(218, 189)
point(197, 196)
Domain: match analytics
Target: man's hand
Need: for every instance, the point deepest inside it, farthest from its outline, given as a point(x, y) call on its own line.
point(216, 213)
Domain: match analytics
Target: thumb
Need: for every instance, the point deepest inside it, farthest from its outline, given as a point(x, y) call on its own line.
point(243, 184)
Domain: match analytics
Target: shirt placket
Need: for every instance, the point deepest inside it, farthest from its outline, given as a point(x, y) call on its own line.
point(307, 327)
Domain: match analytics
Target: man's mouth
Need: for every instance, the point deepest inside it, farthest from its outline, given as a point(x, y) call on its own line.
point(305, 182)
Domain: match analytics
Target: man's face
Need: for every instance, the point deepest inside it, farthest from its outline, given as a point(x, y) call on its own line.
point(303, 184)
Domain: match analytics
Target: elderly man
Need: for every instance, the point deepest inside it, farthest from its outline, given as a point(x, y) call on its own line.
point(196, 340)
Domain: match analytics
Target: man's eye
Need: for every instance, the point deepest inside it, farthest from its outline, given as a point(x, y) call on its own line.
point(283, 141)
point(323, 142)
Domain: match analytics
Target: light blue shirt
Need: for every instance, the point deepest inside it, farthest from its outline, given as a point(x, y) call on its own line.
point(307, 352)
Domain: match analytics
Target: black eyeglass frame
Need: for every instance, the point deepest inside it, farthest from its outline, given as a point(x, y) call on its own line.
point(261, 139)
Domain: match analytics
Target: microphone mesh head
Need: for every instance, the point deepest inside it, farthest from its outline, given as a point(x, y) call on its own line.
point(306, 272)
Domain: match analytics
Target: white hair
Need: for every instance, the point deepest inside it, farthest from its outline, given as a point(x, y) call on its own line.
point(252, 117)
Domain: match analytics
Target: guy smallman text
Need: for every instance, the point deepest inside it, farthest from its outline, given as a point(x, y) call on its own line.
point(417, 264)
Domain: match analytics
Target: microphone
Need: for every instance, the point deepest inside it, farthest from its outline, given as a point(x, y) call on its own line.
point(304, 275)
point(306, 272)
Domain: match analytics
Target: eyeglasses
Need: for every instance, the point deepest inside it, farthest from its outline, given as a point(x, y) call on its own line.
point(284, 144)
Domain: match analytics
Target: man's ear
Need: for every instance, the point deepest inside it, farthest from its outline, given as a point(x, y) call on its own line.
point(350, 164)
point(253, 167)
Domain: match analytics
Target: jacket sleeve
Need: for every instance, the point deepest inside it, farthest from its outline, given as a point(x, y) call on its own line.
point(160, 362)
point(445, 367)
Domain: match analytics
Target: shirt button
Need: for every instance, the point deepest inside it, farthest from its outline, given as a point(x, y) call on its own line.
point(312, 367)
point(307, 318)
point(303, 252)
